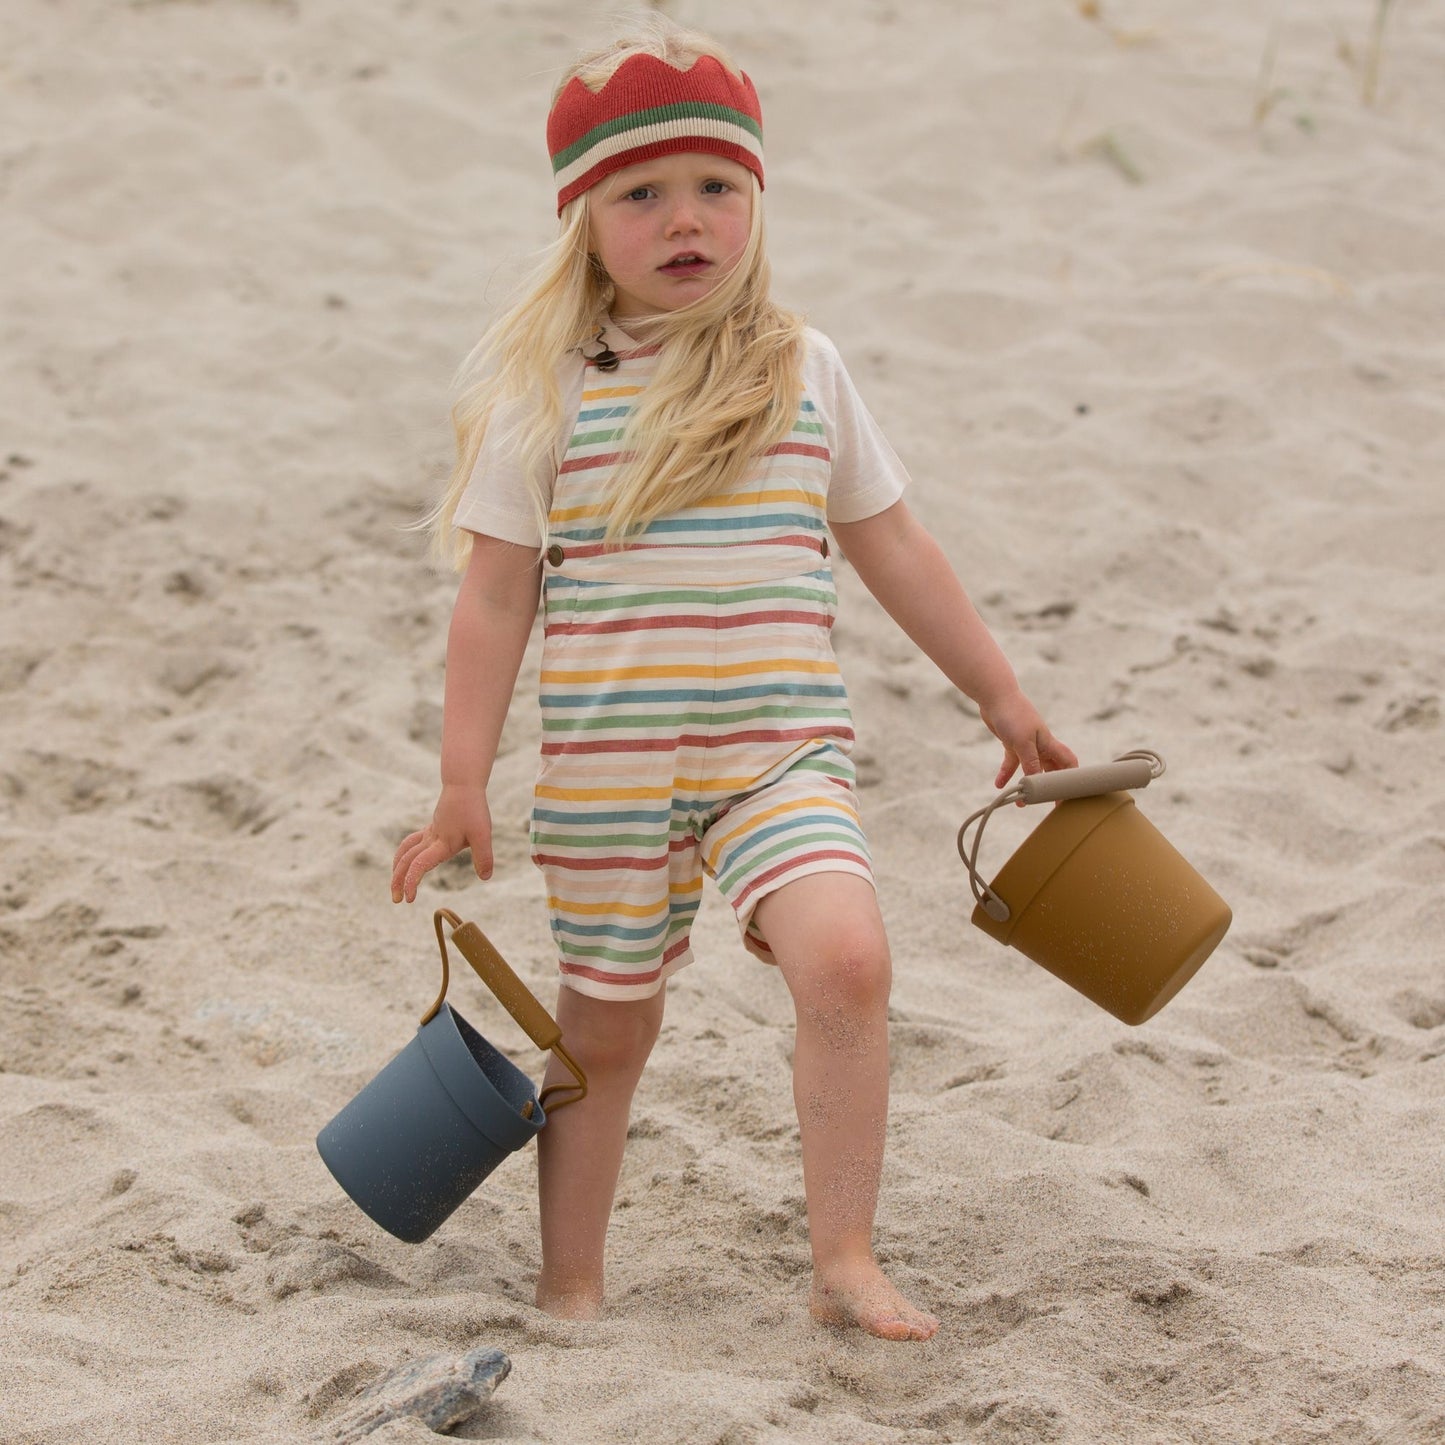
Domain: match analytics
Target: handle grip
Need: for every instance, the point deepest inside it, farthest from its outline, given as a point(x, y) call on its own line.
point(1129, 770)
point(1115, 777)
point(512, 994)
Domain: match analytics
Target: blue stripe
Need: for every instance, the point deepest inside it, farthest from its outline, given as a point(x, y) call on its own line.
point(687, 593)
point(608, 930)
point(815, 823)
point(579, 816)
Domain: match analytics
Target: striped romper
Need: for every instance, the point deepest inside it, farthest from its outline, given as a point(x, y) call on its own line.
point(694, 719)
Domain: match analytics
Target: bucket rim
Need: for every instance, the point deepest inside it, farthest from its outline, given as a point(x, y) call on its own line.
point(479, 1100)
point(1054, 853)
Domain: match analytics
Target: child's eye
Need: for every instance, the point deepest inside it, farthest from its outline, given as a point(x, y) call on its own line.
point(715, 188)
point(639, 193)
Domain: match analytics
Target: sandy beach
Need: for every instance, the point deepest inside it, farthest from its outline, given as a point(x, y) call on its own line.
point(1151, 300)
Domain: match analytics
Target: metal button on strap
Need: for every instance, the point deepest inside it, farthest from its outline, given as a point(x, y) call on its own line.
point(555, 555)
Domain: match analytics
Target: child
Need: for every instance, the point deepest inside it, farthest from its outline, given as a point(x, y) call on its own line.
point(650, 442)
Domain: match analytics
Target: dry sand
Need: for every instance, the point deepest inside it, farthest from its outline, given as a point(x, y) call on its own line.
point(1169, 375)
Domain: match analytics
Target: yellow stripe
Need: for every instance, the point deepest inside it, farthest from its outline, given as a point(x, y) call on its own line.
point(627, 910)
point(797, 805)
point(732, 499)
point(710, 785)
point(603, 392)
point(719, 785)
point(595, 910)
point(729, 669)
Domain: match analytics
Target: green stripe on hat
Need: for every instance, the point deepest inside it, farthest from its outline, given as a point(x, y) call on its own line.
point(656, 115)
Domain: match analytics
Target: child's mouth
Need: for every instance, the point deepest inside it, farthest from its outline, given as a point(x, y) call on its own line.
point(688, 265)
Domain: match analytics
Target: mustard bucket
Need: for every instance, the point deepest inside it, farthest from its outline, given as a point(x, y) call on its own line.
point(1096, 894)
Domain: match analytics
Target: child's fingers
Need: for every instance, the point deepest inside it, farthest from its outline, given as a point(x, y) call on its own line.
point(401, 862)
point(1007, 768)
point(415, 863)
point(1057, 755)
point(422, 864)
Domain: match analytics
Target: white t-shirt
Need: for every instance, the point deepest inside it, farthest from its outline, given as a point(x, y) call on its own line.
point(866, 476)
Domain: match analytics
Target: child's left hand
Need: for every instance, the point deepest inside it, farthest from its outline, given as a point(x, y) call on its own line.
point(1027, 741)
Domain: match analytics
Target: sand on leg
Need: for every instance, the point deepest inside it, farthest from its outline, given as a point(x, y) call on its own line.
point(827, 935)
point(580, 1149)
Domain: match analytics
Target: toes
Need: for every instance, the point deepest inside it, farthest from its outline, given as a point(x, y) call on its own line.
point(883, 1324)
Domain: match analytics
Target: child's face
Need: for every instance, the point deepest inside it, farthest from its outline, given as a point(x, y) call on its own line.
point(668, 230)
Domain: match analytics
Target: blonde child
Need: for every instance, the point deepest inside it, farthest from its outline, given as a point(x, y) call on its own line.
point(661, 452)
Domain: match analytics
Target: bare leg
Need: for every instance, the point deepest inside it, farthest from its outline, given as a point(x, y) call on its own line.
point(580, 1149)
point(827, 935)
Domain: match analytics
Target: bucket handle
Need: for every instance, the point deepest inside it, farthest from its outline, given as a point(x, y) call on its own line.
point(1129, 770)
point(514, 996)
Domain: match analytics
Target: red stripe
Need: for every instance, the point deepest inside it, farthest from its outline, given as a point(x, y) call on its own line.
point(607, 459)
point(583, 970)
point(582, 464)
point(692, 740)
point(596, 549)
point(798, 449)
point(637, 865)
point(791, 864)
point(684, 619)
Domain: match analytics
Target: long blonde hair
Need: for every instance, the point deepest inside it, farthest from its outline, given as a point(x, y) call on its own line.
point(728, 377)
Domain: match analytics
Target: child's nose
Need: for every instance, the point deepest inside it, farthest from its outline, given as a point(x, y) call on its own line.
point(683, 219)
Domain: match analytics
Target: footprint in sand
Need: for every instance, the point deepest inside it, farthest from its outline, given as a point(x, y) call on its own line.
point(1421, 710)
point(299, 1264)
point(1277, 948)
point(222, 804)
point(1214, 421)
point(1420, 1010)
point(192, 674)
point(49, 783)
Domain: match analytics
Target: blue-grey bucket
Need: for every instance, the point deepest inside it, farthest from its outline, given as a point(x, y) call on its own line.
point(424, 1133)
point(448, 1109)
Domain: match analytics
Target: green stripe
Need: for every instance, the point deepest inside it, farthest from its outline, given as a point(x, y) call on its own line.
point(589, 438)
point(646, 843)
point(634, 722)
point(612, 955)
point(815, 764)
point(795, 844)
point(658, 115)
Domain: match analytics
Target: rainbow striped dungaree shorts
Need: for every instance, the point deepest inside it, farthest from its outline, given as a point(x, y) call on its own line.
point(693, 716)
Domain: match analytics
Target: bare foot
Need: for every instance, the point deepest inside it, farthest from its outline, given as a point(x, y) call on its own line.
point(575, 1305)
point(859, 1294)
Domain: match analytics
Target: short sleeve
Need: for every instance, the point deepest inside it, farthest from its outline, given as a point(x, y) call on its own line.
point(500, 499)
point(867, 476)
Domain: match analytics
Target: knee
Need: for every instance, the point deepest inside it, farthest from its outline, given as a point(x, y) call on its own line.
point(606, 1036)
point(846, 982)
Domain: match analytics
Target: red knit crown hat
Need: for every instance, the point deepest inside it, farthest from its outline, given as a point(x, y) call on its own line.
point(649, 108)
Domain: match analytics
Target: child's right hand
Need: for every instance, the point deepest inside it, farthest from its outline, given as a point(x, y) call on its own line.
point(461, 820)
